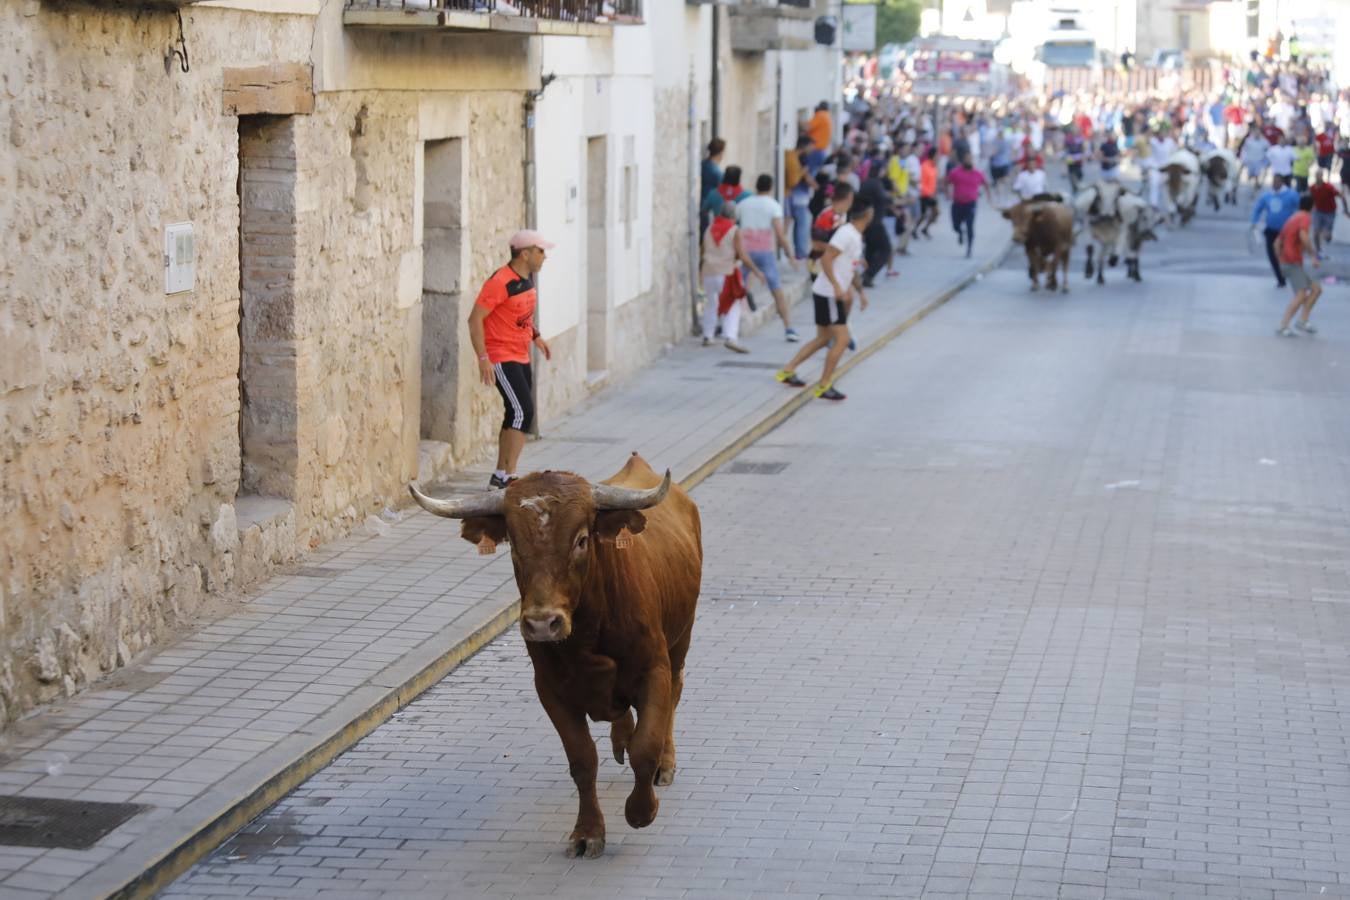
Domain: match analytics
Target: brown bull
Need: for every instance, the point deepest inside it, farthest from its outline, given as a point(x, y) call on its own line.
point(1045, 228)
point(609, 577)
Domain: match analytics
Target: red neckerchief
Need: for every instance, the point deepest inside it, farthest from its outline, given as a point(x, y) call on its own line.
point(720, 226)
point(729, 192)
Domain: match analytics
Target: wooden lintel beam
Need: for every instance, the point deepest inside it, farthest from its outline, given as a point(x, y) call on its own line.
point(280, 89)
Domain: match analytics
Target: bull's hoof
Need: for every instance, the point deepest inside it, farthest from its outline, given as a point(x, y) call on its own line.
point(589, 847)
point(640, 810)
point(1035, 286)
point(1064, 288)
point(665, 776)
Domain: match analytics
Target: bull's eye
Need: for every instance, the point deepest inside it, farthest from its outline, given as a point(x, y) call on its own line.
point(580, 544)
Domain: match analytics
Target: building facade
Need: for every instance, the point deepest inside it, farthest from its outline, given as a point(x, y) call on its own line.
point(245, 238)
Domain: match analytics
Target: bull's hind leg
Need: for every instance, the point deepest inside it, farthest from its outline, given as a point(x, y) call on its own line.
point(665, 773)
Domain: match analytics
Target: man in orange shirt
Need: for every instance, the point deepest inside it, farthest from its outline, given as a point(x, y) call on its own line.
point(820, 128)
point(1294, 239)
point(501, 329)
point(928, 189)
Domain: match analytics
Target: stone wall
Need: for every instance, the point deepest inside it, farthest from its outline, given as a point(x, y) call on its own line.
point(118, 403)
point(120, 406)
point(139, 474)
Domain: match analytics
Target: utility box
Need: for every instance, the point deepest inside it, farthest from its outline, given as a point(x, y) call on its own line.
point(180, 269)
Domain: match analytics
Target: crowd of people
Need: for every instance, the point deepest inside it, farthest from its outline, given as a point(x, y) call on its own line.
point(858, 193)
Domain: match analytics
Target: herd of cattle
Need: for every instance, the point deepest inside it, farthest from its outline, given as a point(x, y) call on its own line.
point(1118, 220)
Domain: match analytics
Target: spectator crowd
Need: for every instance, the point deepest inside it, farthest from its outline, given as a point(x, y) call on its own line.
point(863, 190)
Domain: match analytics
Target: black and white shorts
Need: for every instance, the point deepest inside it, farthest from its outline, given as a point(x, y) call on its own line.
point(823, 306)
point(515, 383)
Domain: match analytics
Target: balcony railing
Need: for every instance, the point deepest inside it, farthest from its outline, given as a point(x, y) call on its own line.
point(588, 17)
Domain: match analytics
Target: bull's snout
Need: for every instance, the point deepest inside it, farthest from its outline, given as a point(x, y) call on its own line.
point(546, 626)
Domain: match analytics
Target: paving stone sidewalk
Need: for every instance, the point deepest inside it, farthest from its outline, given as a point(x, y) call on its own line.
point(220, 724)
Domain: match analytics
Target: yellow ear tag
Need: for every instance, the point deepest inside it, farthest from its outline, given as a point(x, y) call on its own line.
point(623, 540)
point(487, 546)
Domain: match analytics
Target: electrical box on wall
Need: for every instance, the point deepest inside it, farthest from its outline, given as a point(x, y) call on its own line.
point(570, 206)
point(180, 270)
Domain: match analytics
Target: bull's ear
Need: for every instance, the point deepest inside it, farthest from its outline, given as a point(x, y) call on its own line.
point(475, 529)
point(610, 522)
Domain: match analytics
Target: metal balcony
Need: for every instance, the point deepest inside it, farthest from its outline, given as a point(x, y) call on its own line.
point(565, 17)
point(760, 25)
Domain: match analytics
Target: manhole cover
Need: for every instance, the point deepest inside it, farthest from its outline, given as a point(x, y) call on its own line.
point(319, 572)
point(746, 364)
point(741, 467)
point(49, 822)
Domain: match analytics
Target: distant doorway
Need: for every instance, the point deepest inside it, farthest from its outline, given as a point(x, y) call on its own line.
point(442, 275)
point(597, 254)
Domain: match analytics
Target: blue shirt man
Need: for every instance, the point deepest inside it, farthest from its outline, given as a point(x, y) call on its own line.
point(1277, 205)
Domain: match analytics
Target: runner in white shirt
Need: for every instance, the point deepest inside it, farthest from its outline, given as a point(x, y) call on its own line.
point(833, 292)
point(1031, 180)
point(1281, 158)
point(1283, 112)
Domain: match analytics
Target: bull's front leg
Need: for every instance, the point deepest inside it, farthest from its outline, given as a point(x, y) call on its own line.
point(647, 744)
point(1087, 271)
point(588, 837)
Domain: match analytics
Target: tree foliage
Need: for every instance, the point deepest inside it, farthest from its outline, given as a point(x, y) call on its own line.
point(897, 21)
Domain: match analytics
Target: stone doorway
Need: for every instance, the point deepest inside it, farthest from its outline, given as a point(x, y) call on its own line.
point(268, 450)
point(442, 284)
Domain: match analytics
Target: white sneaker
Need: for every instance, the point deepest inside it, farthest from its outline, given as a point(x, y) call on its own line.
point(1306, 327)
point(707, 341)
point(1285, 332)
point(737, 347)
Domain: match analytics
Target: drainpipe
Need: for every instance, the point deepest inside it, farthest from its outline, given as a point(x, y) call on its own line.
point(694, 180)
point(714, 121)
point(531, 201)
point(778, 131)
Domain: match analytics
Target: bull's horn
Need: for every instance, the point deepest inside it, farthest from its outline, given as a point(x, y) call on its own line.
point(490, 504)
point(612, 496)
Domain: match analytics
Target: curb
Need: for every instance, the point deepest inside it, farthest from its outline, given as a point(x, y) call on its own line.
point(404, 681)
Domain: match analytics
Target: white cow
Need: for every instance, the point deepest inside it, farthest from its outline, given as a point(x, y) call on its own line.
point(1219, 167)
point(1182, 188)
point(1119, 222)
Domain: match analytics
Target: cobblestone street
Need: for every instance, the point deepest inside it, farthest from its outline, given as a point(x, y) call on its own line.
point(1057, 604)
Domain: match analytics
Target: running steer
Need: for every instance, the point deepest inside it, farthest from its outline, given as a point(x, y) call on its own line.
point(609, 577)
point(1044, 226)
